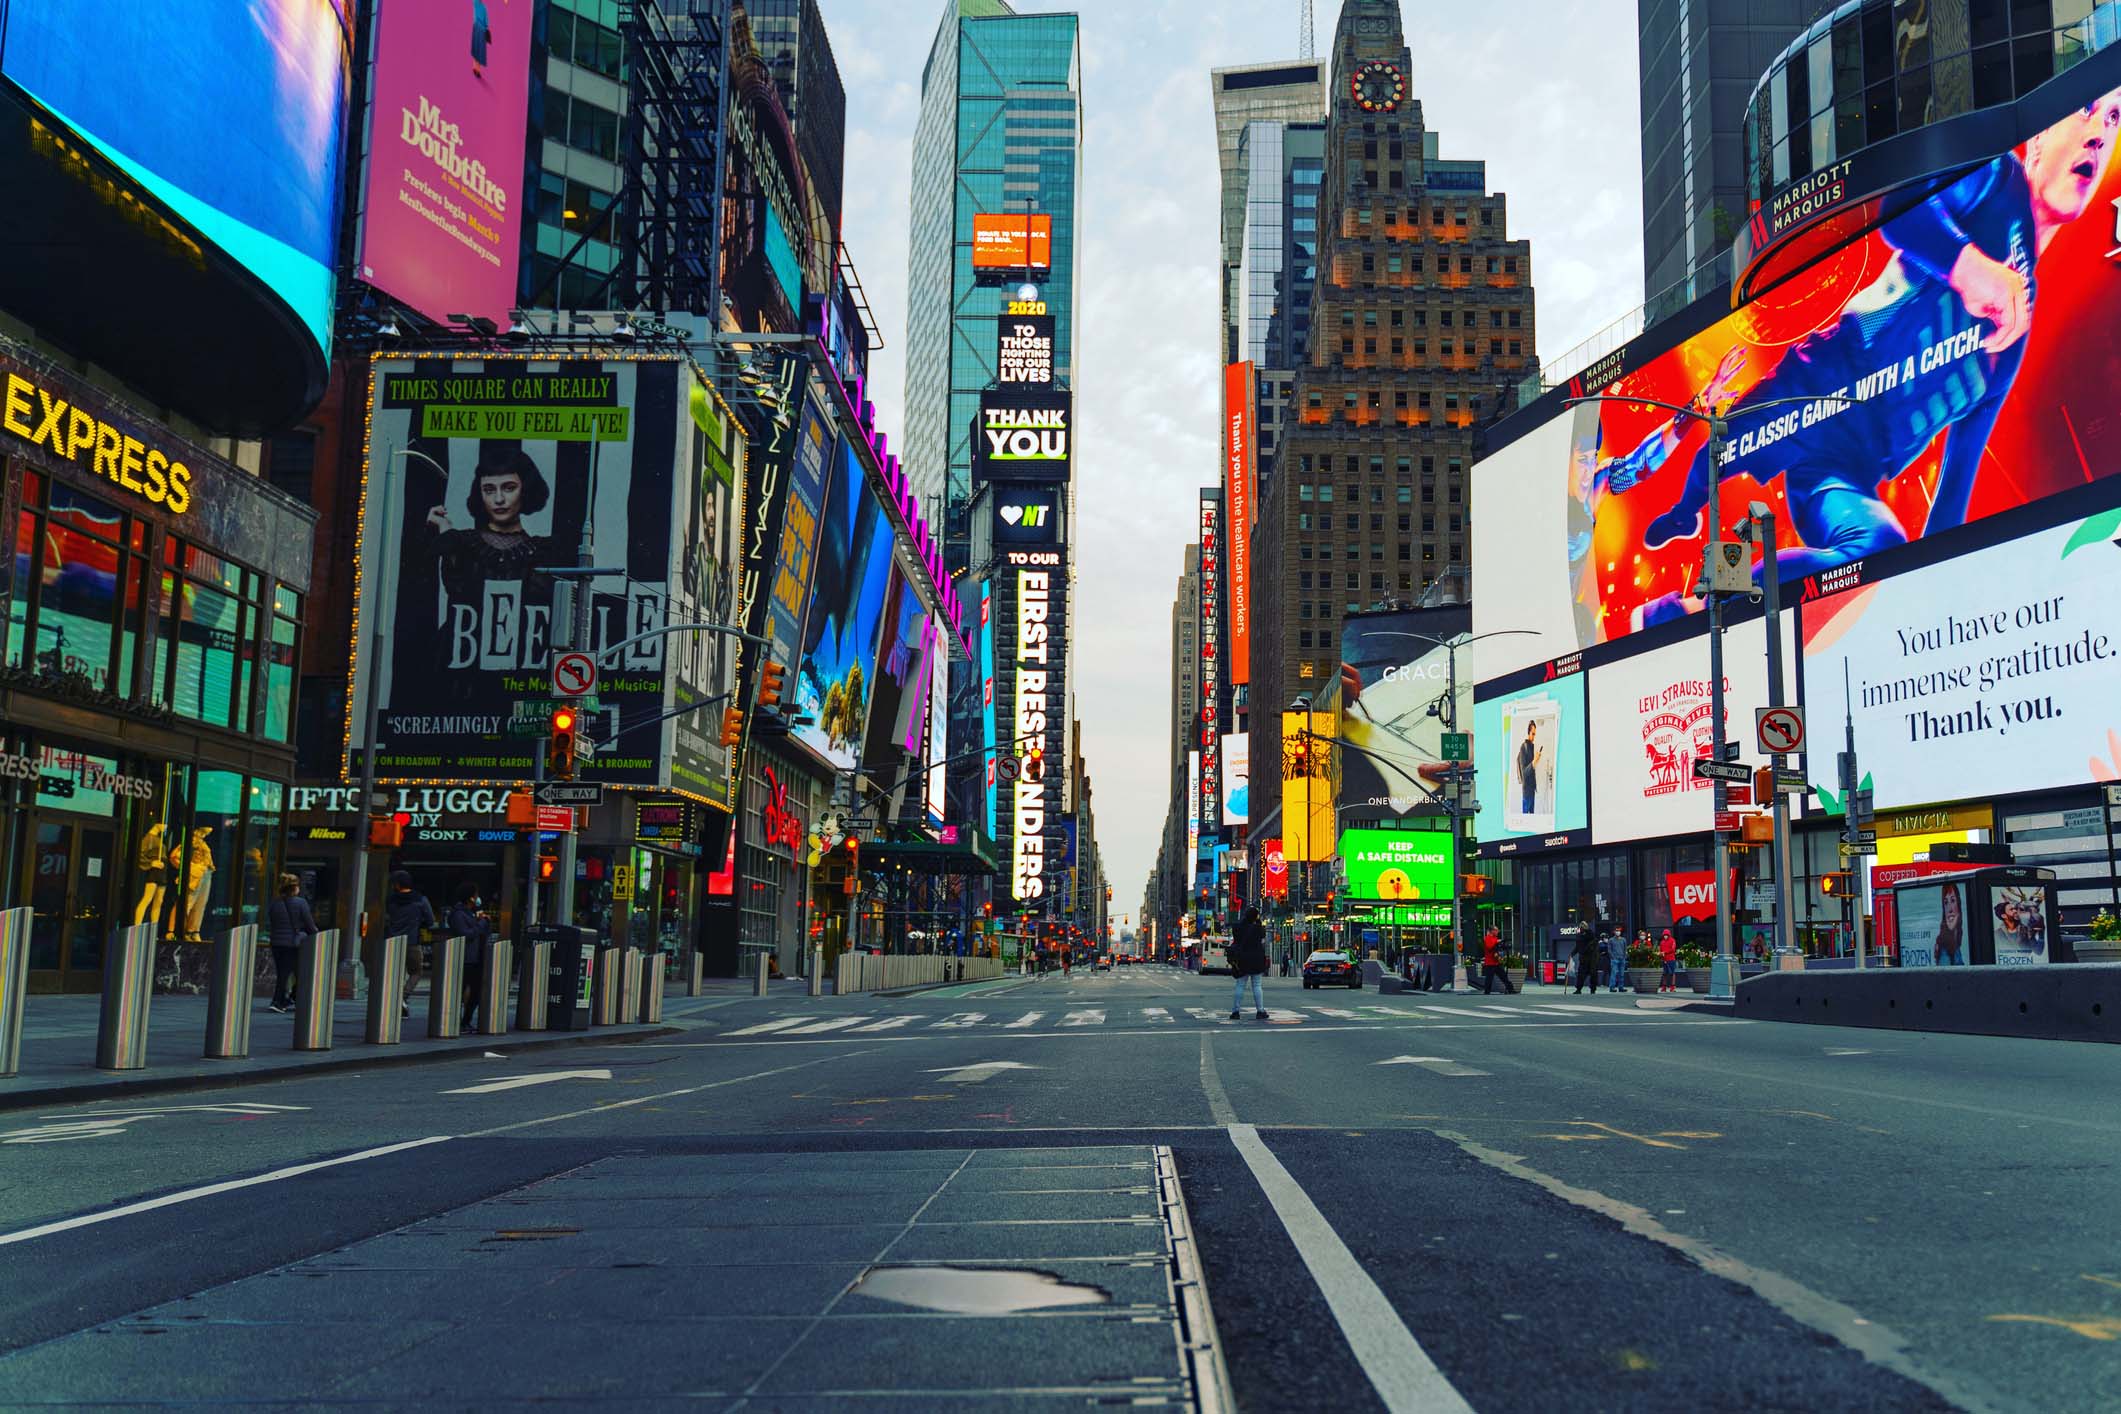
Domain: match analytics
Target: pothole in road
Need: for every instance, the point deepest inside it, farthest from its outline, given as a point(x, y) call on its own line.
point(976, 1291)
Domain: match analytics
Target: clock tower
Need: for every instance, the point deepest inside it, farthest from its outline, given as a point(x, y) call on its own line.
point(1421, 329)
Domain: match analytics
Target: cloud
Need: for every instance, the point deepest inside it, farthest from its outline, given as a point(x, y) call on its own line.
point(1551, 106)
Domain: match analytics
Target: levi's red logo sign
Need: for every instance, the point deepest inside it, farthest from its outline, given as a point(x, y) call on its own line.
point(1693, 894)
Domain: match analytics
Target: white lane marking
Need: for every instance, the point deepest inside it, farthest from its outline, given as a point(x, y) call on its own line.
point(1275, 1013)
point(1446, 1010)
point(518, 1082)
point(1502, 1010)
point(1840, 1051)
point(1029, 1018)
point(980, 1070)
point(1551, 1010)
point(1439, 1065)
point(171, 1199)
point(765, 1026)
point(1585, 1007)
point(889, 1023)
point(1156, 1013)
point(1200, 1013)
point(1084, 1018)
point(673, 1094)
point(1386, 1010)
point(816, 1026)
point(958, 1020)
point(1212, 1086)
point(1337, 1011)
point(103, 1124)
point(1405, 1378)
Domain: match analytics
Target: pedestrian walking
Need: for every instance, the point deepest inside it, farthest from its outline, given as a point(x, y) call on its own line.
point(1668, 949)
point(1248, 961)
point(1284, 962)
point(406, 911)
point(1491, 968)
point(469, 923)
point(288, 925)
point(1588, 960)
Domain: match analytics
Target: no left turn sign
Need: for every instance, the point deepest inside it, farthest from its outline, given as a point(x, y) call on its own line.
point(574, 675)
point(1779, 729)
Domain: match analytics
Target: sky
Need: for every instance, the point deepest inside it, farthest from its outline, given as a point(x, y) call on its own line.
point(1548, 98)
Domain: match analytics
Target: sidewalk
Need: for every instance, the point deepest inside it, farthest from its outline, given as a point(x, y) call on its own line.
point(59, 1044)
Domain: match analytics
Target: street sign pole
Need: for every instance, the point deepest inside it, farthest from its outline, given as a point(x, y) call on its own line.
point(1771, 583)
point(1851, 777)
point(1725, 963)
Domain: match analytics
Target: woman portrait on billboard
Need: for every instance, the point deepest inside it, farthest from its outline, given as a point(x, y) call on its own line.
point(1949, 950)
point(507, 487)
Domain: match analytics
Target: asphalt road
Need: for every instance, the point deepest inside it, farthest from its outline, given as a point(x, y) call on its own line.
point(1420, 1202)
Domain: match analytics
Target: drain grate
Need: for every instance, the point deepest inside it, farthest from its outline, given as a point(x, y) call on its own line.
point(1206, 1371)
point(533, 1234)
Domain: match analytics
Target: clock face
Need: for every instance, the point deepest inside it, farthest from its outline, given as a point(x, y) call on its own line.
point(1379, 87)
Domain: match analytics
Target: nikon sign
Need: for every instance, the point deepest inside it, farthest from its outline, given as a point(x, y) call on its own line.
point(1023, 434)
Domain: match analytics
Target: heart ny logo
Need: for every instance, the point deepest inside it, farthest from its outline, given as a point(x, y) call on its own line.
point(1030, 517)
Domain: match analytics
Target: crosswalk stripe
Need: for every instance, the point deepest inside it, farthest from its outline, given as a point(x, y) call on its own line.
point(1199, 1013)
point(1504, 1010)
point(764, 1026)
point(1579, 1006)
point(888, 1024)
point(1277, 1014)
point(1156, 1013)
point(1386, 1010)
point(1445, 1010)
point(1551, 1011)
point(833, 1025)
point(1337, 1011)
point(1029, 1018)
point(958, 1020)
point(1084, 1018)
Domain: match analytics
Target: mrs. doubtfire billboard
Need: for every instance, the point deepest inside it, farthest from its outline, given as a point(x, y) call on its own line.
point(481, 474)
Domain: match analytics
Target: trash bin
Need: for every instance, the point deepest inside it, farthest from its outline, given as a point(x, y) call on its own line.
point(570, 974)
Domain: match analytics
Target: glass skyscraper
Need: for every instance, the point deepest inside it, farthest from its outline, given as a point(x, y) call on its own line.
point(1000, 130)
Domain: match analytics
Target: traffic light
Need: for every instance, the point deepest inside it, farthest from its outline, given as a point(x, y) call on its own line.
point(559, 755)
point(1837, 885)
point(387, 831)
point(732, 727)
point(1473, 885)
point(548, 868)
point(770, 675)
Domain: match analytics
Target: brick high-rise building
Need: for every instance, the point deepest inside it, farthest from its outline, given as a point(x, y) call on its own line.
point(1421, 325)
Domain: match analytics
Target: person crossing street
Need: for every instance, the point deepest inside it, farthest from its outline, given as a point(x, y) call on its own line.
point(1491, 966)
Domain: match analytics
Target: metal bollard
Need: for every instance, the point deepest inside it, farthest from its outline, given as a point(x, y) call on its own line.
point(445, 990)
point(316, 991)
point(386, 993)
point(128, 982)
point(228, 1003)
point(758, 987)
point(652, 987)
point(696, 973)
point(533, 985)
point(629, 986)
point(494, 971)
point(15, 927)
point(607, 987)
point(817, 972)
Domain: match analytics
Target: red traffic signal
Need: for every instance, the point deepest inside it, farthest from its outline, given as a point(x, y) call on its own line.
point(548, 868)
point(559, 752)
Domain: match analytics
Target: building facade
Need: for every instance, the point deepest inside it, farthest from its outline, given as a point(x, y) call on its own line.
point(1698, 63)
point(1421, 321)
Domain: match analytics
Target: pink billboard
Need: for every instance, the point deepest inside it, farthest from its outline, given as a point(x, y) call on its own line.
point(443, 199)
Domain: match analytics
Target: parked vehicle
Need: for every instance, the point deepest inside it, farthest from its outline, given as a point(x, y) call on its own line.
point(1214, 955)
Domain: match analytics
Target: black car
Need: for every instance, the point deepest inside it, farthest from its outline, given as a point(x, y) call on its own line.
point(1331, 969)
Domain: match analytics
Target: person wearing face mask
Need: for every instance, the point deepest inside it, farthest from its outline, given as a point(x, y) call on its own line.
point(466, 919)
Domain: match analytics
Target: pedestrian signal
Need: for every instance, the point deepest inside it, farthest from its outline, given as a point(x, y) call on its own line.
point(1837, 885)
point(548, 868)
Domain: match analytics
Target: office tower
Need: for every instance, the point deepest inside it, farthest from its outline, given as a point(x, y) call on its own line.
point(1700, 60)
point(1290, 91)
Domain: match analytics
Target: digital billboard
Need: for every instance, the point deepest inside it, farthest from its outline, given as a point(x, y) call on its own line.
point(1394, 680)
point(1023, 354)
point(1026, 517)
point(1992, 673)
point(1237, 779)
point(1274, 870)
point(1240, 479)
point(1653, 719)
point(898, 698)
point(1012, 241)
point(1531, 753)
point(1022, 434)
point(1307, 785)
point(795, 569)
point(704, 666)
point(1039, 696)
point(1398, 864)
point(855, 563)
point(1208, 727)
point(181, 156)
point(442, 203)
point(506, 462)
point(1955, 363)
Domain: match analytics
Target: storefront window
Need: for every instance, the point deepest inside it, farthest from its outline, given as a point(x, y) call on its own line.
point(280, 663)
point(261, 850)
point(213, 864)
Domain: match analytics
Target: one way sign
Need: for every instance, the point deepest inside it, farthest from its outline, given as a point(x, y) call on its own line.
point(571, 793)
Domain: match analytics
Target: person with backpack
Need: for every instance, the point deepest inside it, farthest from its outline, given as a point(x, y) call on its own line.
point(466, 921)
point(406, 911)
point(1248, 960)
point(1491, 967)
point(288, 925)
point(1588, 959)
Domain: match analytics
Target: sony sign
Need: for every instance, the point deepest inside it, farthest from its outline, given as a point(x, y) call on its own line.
point(1035, 684)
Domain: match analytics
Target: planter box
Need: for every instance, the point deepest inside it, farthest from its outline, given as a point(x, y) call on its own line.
point(1698, 979)
point(2091, 950)
point(1645, 979)
point(1516, 976)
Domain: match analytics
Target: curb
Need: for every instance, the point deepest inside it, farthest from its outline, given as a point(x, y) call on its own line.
point(371, 1056)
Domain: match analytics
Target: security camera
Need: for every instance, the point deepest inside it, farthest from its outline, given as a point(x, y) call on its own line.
point(1754, 594)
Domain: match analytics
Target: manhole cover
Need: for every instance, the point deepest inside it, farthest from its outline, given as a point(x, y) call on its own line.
point(976, 1291)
